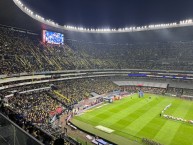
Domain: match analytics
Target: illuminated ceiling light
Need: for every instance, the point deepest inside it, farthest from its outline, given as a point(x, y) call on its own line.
point(130, 29)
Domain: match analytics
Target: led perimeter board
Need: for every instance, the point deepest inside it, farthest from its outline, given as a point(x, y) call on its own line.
point(52, 37)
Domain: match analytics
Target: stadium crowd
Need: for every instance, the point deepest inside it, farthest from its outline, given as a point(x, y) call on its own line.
point(81, 88)
point(134, 89)
point(22, 52)
point(35, 107)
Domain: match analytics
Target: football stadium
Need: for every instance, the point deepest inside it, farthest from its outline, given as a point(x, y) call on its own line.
point(109, 73)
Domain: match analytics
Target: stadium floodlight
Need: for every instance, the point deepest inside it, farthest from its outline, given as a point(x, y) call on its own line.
point(20, 3)
point(186, 22)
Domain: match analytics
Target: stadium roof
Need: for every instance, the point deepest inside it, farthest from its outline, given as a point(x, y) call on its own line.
point(12, 15)
point(38, 17)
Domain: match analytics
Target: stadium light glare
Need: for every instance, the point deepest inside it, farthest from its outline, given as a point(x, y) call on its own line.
point(182, 23)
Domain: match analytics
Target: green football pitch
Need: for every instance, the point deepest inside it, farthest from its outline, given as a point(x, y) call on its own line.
point(133, 118)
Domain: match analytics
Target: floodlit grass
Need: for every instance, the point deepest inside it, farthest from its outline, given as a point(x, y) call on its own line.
point(133, 118)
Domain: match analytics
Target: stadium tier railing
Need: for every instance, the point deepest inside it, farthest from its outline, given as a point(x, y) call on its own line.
point(48, 76)
point(12, 134)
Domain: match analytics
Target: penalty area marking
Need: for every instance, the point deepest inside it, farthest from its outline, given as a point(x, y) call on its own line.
point(104, 129)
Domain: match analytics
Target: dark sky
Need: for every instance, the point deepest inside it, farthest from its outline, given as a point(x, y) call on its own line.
point(112, 13)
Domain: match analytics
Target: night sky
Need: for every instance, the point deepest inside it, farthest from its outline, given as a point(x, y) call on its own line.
point(112, 13)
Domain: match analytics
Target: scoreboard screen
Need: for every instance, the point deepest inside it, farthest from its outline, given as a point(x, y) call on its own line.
point(53, 37)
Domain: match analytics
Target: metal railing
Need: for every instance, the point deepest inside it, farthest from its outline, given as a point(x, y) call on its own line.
point(12, 134)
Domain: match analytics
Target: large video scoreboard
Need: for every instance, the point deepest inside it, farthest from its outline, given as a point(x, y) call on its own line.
point(53, 37)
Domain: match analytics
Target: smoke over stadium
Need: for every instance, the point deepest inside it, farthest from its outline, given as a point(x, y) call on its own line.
point(82, 72)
